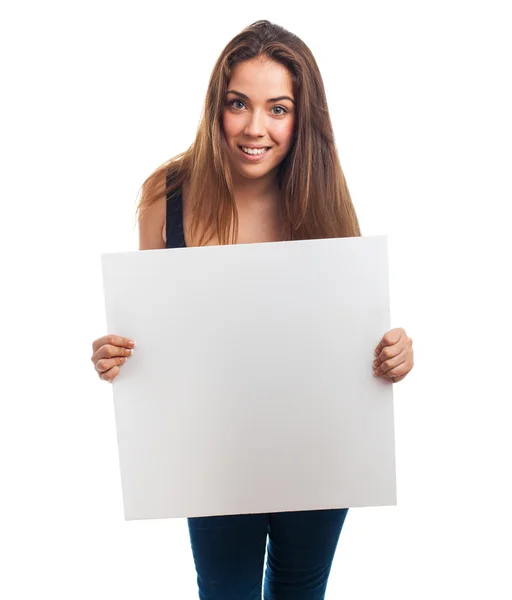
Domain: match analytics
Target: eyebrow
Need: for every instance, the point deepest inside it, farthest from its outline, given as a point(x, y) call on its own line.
point(269, 100)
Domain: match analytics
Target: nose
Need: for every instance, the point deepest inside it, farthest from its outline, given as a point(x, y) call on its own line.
point(255, 126)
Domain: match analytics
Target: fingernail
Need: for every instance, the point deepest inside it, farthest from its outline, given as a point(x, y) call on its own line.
point(132, 344)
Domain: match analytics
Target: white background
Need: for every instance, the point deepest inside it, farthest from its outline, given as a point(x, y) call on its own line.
point(94, 96)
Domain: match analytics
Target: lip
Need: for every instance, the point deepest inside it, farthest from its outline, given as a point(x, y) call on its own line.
point(255, 157)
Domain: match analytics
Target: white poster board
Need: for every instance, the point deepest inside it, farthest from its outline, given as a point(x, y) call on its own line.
point(251, 387)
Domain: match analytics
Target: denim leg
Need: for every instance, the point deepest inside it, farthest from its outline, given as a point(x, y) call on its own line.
point(301, 549)
point(229, 552)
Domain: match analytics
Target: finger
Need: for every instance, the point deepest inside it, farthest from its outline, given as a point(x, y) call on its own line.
point(389, 352)
point(390, 338)
point(109, 351)
point(391, 363)
point(400, 371)
point(397, 379)
point(110, 375)
point(114, 340)
point(106, 364)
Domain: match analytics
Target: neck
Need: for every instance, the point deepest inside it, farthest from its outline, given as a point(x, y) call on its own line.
point(260, 190)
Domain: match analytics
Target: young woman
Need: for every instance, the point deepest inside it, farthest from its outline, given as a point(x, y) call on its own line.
point(263, 168)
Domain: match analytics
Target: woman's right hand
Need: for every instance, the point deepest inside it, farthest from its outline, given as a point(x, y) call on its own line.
point(110, 352)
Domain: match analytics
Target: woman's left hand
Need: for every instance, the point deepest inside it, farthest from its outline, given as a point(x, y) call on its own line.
point(394, 355)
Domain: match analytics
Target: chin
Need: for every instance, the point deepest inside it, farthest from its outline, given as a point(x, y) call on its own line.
point(255, 173)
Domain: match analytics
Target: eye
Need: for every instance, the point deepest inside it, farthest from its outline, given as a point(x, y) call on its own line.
point(233, 102)
point(280, 108)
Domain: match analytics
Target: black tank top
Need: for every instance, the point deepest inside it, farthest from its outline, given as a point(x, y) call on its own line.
point(174, 237)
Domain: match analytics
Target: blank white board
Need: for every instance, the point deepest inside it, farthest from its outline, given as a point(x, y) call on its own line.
point(251, 387)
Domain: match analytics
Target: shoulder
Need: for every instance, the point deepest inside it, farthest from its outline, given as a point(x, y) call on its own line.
point(153, 213)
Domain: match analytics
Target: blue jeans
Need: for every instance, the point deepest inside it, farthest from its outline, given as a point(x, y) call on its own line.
point(229, 553)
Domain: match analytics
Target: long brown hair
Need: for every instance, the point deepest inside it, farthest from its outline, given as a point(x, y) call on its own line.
point(317, 202)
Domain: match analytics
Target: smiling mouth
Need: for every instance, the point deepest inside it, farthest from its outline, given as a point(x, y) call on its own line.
point(254, 151)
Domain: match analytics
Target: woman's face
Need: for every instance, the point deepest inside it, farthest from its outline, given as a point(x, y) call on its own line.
point(259, 113)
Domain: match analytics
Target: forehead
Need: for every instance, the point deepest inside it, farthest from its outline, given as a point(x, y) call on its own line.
point(261, 78)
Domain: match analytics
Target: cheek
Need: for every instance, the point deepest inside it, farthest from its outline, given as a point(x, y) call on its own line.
point(228, 125)
point(285, 132)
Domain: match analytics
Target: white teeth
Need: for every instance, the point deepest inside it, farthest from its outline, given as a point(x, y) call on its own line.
point(254, 151)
